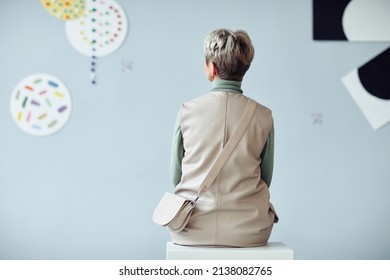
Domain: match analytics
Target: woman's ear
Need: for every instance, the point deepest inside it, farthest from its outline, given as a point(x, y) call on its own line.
point(215, 70)
point(211, 70)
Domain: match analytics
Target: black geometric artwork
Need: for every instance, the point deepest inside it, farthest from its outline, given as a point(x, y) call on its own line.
point(360, 21)
point(369, 87)
point(351, 20)
point(375, 75)
point(327, 19)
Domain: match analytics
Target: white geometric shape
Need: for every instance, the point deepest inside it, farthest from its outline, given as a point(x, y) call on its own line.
point(40, 104)
point(376, 110)
point(101, 30)
point(271, 251)
point(367, 20)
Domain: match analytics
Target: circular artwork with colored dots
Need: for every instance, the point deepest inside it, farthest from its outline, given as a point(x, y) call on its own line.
point(40, 104)
point(100, 31)
point(64, 9)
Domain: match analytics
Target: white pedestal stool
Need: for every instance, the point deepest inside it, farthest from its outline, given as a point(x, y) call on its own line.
point(272, 251)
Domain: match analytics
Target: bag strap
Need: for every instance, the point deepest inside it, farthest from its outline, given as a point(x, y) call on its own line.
point(229, 147)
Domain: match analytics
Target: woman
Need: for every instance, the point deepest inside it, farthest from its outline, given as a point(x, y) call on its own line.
point(236, 210)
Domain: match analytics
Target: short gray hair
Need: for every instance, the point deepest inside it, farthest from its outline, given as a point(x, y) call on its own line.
point(232, 52)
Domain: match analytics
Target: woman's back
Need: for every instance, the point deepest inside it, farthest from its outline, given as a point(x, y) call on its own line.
point(236, 210)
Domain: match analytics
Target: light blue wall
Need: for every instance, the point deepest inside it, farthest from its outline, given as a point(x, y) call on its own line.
point(88, 192)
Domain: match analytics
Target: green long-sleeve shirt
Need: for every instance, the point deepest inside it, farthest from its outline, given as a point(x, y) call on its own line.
point(267, 155)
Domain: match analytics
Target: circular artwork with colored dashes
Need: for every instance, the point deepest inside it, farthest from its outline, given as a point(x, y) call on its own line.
point(64, 9)
point(40, 104)
point(100, 31)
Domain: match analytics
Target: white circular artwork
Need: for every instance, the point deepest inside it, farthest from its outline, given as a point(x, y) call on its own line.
point(100, 31)
point(40, 104)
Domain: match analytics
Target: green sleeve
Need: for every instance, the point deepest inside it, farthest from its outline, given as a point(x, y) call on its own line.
point(267, 158)
point(177, 153)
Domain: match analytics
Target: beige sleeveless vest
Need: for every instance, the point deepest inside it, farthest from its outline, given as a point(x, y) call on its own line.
point(236, 210)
